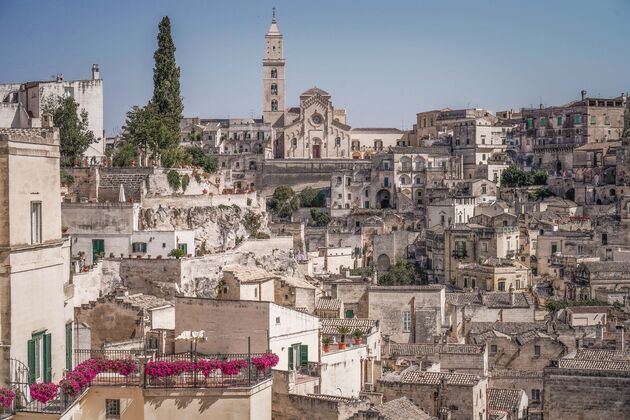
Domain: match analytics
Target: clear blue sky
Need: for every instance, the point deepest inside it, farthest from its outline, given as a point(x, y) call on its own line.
point(381, 60)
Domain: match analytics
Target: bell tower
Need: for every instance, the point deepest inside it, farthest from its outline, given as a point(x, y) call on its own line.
point(273, 75)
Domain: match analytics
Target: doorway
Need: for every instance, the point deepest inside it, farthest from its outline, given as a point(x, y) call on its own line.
point(317, 151)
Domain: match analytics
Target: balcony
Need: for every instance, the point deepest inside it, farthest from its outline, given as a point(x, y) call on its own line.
point(459, 254)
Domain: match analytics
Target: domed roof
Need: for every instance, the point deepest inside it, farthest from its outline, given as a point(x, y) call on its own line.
point(315, 90)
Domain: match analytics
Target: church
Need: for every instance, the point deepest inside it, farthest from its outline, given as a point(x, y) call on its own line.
point(315, 129)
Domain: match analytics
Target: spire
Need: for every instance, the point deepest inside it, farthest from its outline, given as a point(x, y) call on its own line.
point(273, 29)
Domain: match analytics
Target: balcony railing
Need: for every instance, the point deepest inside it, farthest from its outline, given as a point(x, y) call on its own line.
point(193, 378)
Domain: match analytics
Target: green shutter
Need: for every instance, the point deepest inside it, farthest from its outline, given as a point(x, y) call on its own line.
point(31, 361)
point(69, 346)
point(303, 355)
point(144, 247)
point(47, 359)
point(349, 313)
point(290, 357)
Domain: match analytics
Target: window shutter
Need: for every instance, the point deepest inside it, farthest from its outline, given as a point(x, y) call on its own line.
point(290, 357)
point(69, 346)
point(31, 361)
point(144, 247)
point(47, 359)
point(303, 355)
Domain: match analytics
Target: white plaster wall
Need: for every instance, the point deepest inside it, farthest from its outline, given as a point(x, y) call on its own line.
point(294, 327)
point(341, 372)
point(163, 318)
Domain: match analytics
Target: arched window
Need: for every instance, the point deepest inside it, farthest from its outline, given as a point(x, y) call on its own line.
point(274, 105)
point(274, 89)
point(294, 142)
point(274, 73)
point(338, 141)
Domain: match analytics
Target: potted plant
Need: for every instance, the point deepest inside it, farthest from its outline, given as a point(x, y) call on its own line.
point(326, 344)
point(343, 330)
point(357, 334)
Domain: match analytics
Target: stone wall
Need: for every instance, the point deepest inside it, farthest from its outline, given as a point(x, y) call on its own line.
point(586, 395)
point(109, 321)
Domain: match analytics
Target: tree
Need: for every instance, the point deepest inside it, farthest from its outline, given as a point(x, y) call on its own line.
point(284, 201)
point(74, 137)
point(202, 160)
point(320, 218)
point(401, 273)
point(166, 93)
point(310, 197)
point(539, 178)
point(626, 123)
point(515, 177)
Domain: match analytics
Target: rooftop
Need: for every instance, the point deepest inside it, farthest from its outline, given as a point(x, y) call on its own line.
point(594, 359)
point(329, 325)
point(504, 399)
point(246, 274)
point(327, 303)
point(144, 301)
point(405, 349)
point(400, 408)
point(435, 378)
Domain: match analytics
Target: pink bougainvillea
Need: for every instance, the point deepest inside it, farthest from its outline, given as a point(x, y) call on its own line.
point(6, 397)
point(266, 361)
point(233, 367)
point(44, 392)
point(208, 366)
point(70, 386)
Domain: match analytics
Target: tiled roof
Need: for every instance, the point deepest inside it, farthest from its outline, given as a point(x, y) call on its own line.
point(246, 274)
point(400, 408)
point(335, 398)
point(328, 304)
point(602, 266)
point(435, 378)
point(506, 327)
point(297, 282)
point(510, 373)
point(528, 336)
point(403, 349)
point(588, 309)
point(143, 301)
point(504, 399)
point(315, 90)
point(330, 325)
point(593, 359)
point(492, 299)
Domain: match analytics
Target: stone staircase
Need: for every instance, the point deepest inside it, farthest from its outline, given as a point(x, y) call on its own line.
point(134, 185)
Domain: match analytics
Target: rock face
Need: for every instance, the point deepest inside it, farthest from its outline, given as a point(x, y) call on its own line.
point(216, 228)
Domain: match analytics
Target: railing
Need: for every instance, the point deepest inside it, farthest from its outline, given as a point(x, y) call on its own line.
point(112, 378)
point(194, 378)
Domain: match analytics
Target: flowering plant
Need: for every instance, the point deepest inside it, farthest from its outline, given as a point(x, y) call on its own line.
point(266, 361)
point(70, 386)
point(207, 366)
point(44, 392)
point(233, 367)
point(6, 397)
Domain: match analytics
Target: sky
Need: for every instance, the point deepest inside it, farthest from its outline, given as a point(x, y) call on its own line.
point(383, 61)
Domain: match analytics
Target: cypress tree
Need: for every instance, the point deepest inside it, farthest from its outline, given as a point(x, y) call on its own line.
point(166, 94)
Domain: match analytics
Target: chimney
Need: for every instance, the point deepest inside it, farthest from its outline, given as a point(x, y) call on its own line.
point(96, 73)
point(583, 94)
point(599, 334)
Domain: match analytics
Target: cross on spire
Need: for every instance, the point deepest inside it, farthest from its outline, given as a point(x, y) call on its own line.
point(273, 15)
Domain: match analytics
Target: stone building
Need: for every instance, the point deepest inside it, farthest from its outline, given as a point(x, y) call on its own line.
point(588, 384)
point(457, 396)
point(34, 257)
point(22, 105)
point(531, 382)
point(509, 403)
point(463, 358)
point(553, 133)
point(599, 279)
point(494, 274)
point(247, 283)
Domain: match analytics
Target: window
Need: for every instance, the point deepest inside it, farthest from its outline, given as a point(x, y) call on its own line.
point(554, 248)
point(537, 350)
point(184, 247)
point(386, 181)
point(493, 348)
point(36, 222)
point(484, 246)
point(604, 239)
point(274, 105)
point(536, 394)
point(406, 321)
point(386, 165)
point(294, 142)
point(606, 120)
point(530, 123)
point(484, 188)
point(274, 73)
point(112, 409)
point(338, 141)
point(559, 121)
point(577, 119)
point(465, 282)
point(378, 145)
point(39, 357)
point(474, 283)
point(349, 196)
point(541, 123)
point(593, 120)
point(349, 313)
point(274, 89)
point(255, 292)
point(502, 286)
point(69, 346)
point(139, 247)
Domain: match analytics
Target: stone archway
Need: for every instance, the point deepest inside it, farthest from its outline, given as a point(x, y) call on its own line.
point(383, 198)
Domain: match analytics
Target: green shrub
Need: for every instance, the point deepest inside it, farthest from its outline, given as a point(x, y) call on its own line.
point(177, 253)
point(173, 179)
point(185, 180)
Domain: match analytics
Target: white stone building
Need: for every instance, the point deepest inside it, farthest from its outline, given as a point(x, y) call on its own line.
point(22, 104)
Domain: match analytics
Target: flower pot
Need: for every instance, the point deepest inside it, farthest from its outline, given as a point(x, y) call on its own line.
point(326, 348)
point(357, 341)
point(342, 346)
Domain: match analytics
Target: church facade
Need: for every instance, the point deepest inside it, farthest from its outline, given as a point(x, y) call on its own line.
point(315, 129)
